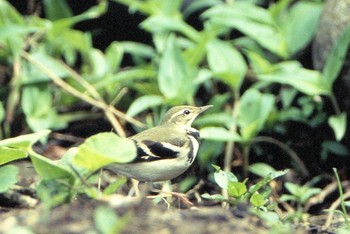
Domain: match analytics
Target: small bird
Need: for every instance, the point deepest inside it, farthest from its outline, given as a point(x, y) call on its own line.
point(165, 151)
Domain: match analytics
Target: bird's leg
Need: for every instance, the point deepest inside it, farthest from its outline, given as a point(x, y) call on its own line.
point(167, 192)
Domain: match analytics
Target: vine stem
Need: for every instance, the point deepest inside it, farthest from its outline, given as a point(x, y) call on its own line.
point(286, 148)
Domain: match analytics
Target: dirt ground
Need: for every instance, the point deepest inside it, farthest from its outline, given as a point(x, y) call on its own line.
point(21, 212)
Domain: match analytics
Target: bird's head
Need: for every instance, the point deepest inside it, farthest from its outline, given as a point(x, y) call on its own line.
point(183, 115)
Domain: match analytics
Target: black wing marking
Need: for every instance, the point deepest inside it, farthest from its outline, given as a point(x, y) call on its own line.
point(152, 150)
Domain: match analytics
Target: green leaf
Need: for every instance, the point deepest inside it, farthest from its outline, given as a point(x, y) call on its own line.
point(292, 73)
point(300, 24)
point(338, 124)
point(261, 169)
point(35, 74)
point(175, 77)
point(2, 113)
point(9, 154)
point(113, 187)
point(102, 149)
point(335, 148)
point(255, 22)
point(108, 222)
point(219, 134)
point(24, 142)
point(254, 110)
point(223, 178)
point(105, 218)
point(50, 170)
point(37, 106)
point(266, 180)
point(54, 192)
point(10, 31)
point(9, 14)
point(257, 200)
point(8, 175)
point(226, 63)
point(139, 49)
point(337, 56)
point(160, 25)
point(55, 10)
point(236, 189)
point(143, 103)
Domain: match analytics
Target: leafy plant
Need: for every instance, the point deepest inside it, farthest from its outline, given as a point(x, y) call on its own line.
point(299, 194)
point(64, 179)
point(256, 194)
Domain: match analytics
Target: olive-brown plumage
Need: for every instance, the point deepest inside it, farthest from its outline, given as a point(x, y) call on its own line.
point(165, 151)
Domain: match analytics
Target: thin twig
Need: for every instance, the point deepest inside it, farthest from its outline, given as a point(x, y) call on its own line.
point(109, 110)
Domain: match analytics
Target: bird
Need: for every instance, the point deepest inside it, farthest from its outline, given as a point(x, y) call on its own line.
point(165, 151)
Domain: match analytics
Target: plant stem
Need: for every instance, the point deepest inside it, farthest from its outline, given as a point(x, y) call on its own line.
point(246, 149)
point(231, 145)
point(342, 203)
point(334, 103)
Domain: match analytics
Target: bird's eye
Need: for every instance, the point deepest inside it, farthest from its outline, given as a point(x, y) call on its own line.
point(186, 112)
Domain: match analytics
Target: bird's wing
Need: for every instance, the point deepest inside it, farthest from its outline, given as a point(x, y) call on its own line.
point(168, 144)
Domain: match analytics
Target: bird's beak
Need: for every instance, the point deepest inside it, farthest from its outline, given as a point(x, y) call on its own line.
point(204, 108)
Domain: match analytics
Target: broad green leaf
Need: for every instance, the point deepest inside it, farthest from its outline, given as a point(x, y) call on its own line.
point(226, 63)
point(222, 118)
point(105, 217)
point(114, 186)
point(163, 24)
point(8, 175)
point(253, 21)
point(261, 169)
point(102, 149)
point(299, 24)
point(60, 25)
point(34, 74)
point(24, 142)
point(292, 73)
point(139, 49)
point(55, 10)
point(49, 170)
point(143, 103)
point(257, 200)
point(338, 124)
point(195, 6)
point(223, 178)
point(175, 77)
point(337, 57)
point(108, 222)
point(254, 110)
point(114, 56)
point(10, 154)
point(9, 14)
point(219, 134)
point(11, 31)
point(236, 189)
point(37, 107)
